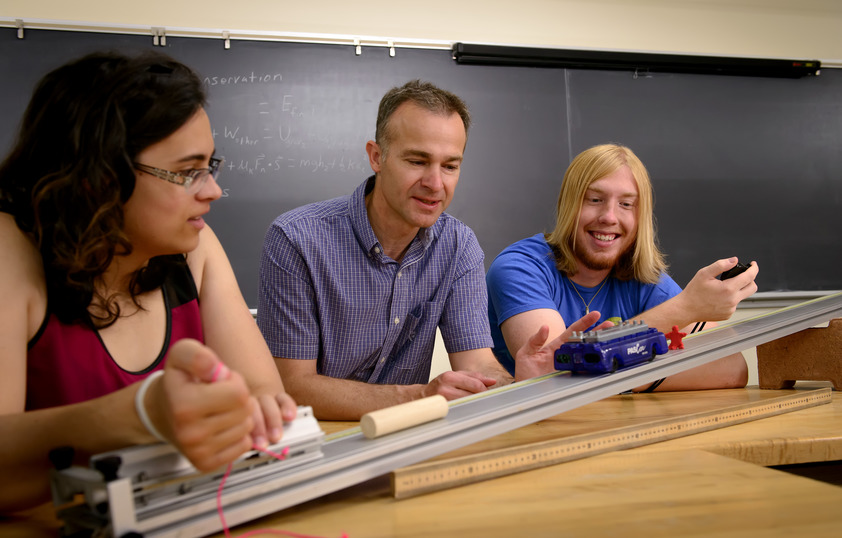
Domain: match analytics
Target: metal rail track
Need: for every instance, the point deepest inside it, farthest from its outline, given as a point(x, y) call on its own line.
point(349, 458)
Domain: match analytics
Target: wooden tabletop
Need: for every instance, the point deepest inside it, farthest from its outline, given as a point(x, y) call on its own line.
point(680, 493)
point(804, 436)
point(808, 435)
point(683, 487)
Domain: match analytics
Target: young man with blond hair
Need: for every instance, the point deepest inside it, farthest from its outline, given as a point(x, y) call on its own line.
point(602, 256)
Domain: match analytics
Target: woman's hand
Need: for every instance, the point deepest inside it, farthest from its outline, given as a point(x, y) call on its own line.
point(270, 412)
point(202, 407)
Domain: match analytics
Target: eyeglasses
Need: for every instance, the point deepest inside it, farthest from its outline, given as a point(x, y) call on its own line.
point(192, 180)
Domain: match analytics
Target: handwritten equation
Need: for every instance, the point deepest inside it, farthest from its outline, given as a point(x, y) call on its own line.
point(262, 164)
point(274, 134)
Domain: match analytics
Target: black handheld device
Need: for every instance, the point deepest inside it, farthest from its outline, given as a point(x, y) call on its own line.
point(730, 273)
point(734, 271)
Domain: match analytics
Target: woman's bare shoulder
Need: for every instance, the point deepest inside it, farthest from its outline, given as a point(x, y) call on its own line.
point(22, 284)
point(17, 247)
point(208, 255)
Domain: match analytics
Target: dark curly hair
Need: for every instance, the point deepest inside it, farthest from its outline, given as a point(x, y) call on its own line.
point(71, 169)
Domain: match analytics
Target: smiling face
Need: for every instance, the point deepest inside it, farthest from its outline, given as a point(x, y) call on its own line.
point(162, 217)
point(607, 225)
point(417, 177)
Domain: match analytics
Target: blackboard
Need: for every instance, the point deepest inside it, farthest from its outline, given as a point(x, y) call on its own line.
point(741, 166)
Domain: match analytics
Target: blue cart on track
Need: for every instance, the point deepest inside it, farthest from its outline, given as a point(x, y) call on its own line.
point(627, 344)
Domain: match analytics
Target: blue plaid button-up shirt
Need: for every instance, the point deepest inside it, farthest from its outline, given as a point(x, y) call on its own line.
point(328, 293)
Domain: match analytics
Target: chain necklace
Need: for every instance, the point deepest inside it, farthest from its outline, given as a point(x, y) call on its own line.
point(588, 304)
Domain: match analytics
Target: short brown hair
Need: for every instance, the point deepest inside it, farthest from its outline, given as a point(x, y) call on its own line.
point(423, 94)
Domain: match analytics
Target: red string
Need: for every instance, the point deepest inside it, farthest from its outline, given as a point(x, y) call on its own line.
point(281, 456)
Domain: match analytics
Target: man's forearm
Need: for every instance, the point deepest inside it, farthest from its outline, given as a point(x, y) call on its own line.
point(496, 371)
point(667, 314)
point(481, 361)
point(343, 399)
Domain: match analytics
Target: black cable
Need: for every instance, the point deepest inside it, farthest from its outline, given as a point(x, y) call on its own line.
point(653, 386)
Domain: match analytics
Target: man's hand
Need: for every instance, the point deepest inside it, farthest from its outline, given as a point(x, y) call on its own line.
point(707, 298)
point(536, 356)
point(457, 384)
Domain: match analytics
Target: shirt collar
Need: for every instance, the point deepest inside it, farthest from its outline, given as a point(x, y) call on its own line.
point(364, 232)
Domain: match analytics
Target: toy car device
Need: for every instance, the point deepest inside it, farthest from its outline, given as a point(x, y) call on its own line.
point(624, 345)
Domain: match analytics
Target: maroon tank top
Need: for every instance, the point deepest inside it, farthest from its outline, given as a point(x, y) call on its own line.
point(68, 363)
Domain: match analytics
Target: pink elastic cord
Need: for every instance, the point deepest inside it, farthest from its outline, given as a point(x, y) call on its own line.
point(281, 456)
point(220, 370)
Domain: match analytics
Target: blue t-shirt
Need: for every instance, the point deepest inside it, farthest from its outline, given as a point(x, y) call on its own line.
point(524, 277)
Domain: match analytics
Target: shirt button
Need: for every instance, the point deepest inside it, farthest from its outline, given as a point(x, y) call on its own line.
point(377, 250)
point(382, 360)
point(400, 274)
point(397, 320)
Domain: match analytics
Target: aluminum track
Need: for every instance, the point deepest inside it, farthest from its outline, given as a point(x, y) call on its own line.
point(350, 458)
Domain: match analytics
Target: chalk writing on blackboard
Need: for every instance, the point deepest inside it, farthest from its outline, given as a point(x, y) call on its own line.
point(262, 164)
point(275, 132)
point(252, 78)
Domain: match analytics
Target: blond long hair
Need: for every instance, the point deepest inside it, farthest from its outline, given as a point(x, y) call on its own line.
point(644, 261)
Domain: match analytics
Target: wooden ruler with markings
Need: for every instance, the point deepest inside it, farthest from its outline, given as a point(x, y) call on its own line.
point(463, 470)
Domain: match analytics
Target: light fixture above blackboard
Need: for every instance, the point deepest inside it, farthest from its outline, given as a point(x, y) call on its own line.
point(640, 62)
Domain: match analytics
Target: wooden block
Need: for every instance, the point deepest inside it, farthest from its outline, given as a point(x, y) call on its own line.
point(812, 354)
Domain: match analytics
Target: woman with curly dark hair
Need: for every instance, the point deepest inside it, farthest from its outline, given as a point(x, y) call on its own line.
point(121, 320)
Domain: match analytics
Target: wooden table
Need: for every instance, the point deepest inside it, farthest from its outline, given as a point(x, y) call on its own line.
point(712, 483)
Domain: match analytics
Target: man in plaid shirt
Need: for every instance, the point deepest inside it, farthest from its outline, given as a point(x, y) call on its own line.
point(353, 289)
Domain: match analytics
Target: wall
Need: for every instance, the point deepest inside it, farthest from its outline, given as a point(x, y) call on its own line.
point(767, 28)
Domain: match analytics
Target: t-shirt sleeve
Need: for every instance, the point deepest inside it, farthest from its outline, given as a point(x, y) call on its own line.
point(665, 289)
point(464, 323)
point(286, 312)
point(518, 282)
